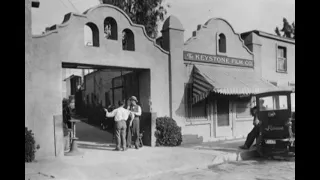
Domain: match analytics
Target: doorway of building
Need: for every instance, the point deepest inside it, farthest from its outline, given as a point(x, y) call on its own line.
point(101, 87)
point(224, 124)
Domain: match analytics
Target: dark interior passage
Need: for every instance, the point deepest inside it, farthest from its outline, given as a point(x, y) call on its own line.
point(90, 89)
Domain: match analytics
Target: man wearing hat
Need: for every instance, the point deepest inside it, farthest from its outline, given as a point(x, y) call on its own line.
point(136, 109)
point(120, 117)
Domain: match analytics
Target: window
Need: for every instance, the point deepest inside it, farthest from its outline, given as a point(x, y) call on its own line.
point(243, 109)
point(128, 40)
point(276, 102)
point(110, 29)
point(222, 44)
point(281, 59)
point(91, 35)
point(197, 110)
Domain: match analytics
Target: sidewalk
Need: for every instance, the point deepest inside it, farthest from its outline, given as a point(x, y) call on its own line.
point(99, 162)
point(132, 164)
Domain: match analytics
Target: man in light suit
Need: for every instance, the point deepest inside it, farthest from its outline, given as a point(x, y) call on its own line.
point(120, 117)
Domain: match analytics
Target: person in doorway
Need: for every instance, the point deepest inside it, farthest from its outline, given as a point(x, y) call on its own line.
point(136, 109)
point(120, 117)
point(254, 134)
point(66, 112)
point(66, 117)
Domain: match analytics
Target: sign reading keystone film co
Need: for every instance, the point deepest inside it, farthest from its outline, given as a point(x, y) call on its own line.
point(216, 59)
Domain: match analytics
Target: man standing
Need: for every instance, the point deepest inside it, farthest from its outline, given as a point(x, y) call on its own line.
point(120, 117)
point(136, 109)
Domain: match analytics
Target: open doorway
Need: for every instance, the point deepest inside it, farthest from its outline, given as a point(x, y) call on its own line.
point(92, 88)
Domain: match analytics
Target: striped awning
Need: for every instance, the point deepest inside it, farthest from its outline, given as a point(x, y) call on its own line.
point(201, 87)
point(227, 81)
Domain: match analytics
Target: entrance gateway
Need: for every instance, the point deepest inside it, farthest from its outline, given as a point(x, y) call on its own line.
point(67, 46)
point(103, 87)
point(117, 83)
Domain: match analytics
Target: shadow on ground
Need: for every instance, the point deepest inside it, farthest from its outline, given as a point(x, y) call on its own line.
point(96, 146)
point(92, 137)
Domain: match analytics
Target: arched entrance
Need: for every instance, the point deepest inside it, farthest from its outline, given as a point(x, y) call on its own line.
point(102, 87)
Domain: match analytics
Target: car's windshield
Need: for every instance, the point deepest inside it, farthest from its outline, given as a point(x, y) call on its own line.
point(275, 102)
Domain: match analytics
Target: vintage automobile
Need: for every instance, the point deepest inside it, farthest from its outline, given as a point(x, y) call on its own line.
point(277, 129)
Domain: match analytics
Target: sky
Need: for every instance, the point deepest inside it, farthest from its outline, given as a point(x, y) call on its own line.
point(243, 15)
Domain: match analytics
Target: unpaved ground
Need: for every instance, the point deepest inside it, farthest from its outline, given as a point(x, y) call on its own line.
point(243, 170)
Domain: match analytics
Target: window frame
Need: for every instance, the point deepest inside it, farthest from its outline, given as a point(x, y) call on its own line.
point(95, 35)
point(239, 105)
point(218, 44)
point(276, 103)
point(130, 39)
point(113, 30)
point(189, 105)
point(284, 59)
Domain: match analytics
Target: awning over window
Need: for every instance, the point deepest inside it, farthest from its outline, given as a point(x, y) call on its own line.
point(227, 81)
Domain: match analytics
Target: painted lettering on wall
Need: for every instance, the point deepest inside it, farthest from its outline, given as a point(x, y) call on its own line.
point(217, 59)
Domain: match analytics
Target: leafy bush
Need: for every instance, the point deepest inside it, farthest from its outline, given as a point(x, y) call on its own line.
point(30, 146)
point(168, 133)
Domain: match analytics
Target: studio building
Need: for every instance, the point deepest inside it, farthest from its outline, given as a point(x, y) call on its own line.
point(206, 83)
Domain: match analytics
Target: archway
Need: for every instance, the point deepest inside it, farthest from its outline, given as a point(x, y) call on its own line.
point(101, 87)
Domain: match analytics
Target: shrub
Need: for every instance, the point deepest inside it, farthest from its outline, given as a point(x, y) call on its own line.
point(30, 146)
point(168, 133)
